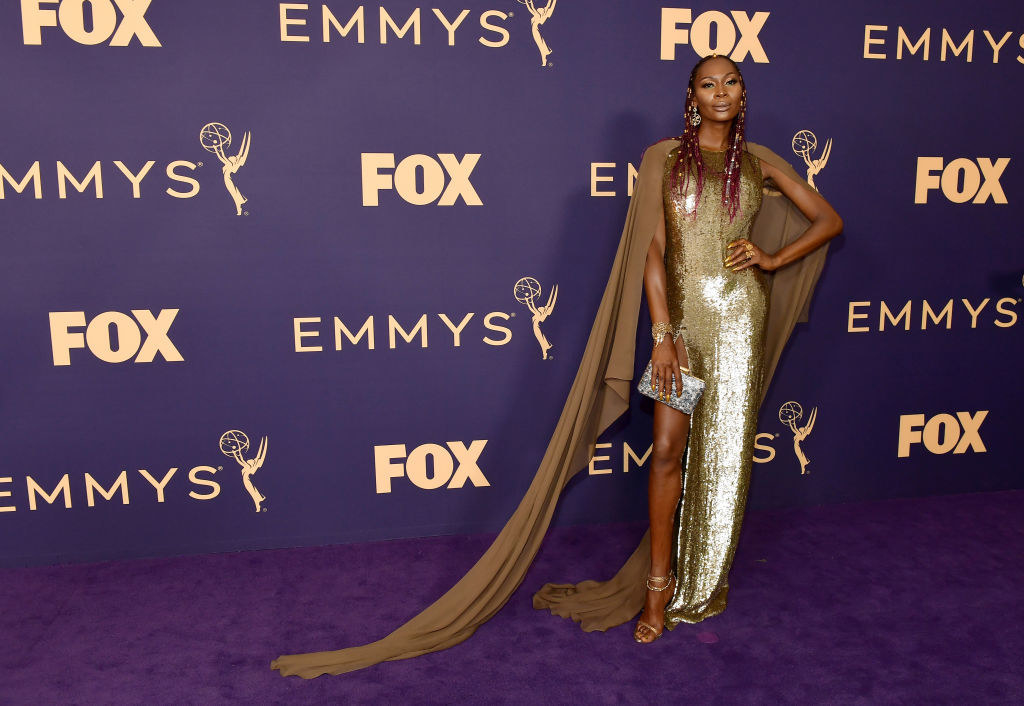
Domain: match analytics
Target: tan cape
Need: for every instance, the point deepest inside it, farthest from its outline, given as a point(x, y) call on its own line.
point(599, 395)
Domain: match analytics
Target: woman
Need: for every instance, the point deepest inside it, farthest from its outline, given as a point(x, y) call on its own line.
point(708, 299)
point(601, 390)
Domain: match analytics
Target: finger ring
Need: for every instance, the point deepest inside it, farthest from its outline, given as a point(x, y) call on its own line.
point(749, 247)
point(748, 256)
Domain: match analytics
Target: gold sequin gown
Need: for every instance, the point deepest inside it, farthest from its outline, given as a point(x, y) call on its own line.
point(720, 317)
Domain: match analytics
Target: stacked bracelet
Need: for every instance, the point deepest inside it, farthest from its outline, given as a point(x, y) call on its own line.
point(659, 330)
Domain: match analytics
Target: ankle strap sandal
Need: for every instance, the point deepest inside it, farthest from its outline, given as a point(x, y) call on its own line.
point(666, 579)
point(665, 582)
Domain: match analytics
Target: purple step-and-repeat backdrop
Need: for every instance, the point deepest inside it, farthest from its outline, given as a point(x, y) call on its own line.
point(278, 274)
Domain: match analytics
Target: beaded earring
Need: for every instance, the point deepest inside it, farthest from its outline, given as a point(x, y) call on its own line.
point(694, 115)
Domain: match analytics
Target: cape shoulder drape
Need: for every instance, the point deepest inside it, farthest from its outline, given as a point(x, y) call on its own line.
point(599, 394)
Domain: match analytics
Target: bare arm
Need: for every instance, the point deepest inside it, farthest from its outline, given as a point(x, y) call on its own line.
point(655, 276)
point(664, 358)
point(825, 225)
point(825, 222)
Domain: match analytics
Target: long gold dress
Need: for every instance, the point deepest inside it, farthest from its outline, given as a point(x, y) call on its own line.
point(720, 316)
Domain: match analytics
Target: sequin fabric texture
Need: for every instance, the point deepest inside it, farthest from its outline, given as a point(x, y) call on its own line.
point(720, 317)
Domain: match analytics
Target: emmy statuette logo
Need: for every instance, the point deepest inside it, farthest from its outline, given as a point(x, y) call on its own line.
point(789, 414)
point(526, 291)
point(234, 444)
point(215, 138)
point(537, 18)
point(804, 144)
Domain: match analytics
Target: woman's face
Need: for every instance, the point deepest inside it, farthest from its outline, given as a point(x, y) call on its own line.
point(717, 89)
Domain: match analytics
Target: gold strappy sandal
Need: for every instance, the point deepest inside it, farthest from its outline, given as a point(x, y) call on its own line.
point(668, 581)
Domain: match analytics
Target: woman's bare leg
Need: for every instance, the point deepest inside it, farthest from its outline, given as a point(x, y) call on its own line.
point(664, 486)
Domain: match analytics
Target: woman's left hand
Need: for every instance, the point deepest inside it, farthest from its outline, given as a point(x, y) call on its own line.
point(745, 254)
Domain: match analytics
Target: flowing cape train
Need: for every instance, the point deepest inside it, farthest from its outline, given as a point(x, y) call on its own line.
point(599, 395)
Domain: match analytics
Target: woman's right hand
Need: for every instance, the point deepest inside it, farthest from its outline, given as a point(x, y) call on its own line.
point(665, 368)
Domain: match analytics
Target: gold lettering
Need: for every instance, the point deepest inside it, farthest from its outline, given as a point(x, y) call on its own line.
point(135, 179)
point(420, 327)
point(947, 42)
point(357, 19)
point(214, 486)
point(910, 433)
point(594, 471)
point(850, 328)
point(92, 485)
point(287, 21)
point(974, 313)
point(926, 177)
point(594, 178)
point(300, 334)
point(6, 494)
point(763, 447)
point(158, 485)
point(456, 330)
point(64, 487)
point(413, 22)
point(1008, 301)
point(869, 40)
point(64, 175)
point(451, 26)
point(341, 330)
point(497, 327)
point(884, 313)
point(627, 454)
point(928, 313)
point(902, 39)
point(996, 47)
point(950, 433)
point(19, 186)
point(951, 180)
point(498, 30)
point(631, 175)
point(174, 176)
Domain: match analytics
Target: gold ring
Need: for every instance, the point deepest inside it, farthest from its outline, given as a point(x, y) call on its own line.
point(749, 247)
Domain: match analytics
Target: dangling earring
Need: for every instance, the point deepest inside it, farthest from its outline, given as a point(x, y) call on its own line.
point(694, 116)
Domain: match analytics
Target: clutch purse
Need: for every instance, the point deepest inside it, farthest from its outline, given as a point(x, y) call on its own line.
point(684, 400)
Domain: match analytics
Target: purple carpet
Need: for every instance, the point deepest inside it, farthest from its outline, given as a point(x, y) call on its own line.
point(902, 602)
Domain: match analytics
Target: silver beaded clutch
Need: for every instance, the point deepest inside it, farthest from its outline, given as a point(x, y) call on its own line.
point(684, 401)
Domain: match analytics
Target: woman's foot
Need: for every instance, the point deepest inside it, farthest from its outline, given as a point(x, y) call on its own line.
point(651, 624)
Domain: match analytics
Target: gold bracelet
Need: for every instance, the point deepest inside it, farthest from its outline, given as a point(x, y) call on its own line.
point(659, 330)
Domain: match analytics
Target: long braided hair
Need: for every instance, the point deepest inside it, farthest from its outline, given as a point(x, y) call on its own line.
point(690, 165)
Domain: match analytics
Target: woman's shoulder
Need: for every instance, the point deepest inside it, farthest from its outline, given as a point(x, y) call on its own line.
point(771, 163)
point(764, 155)
point(660, 149)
